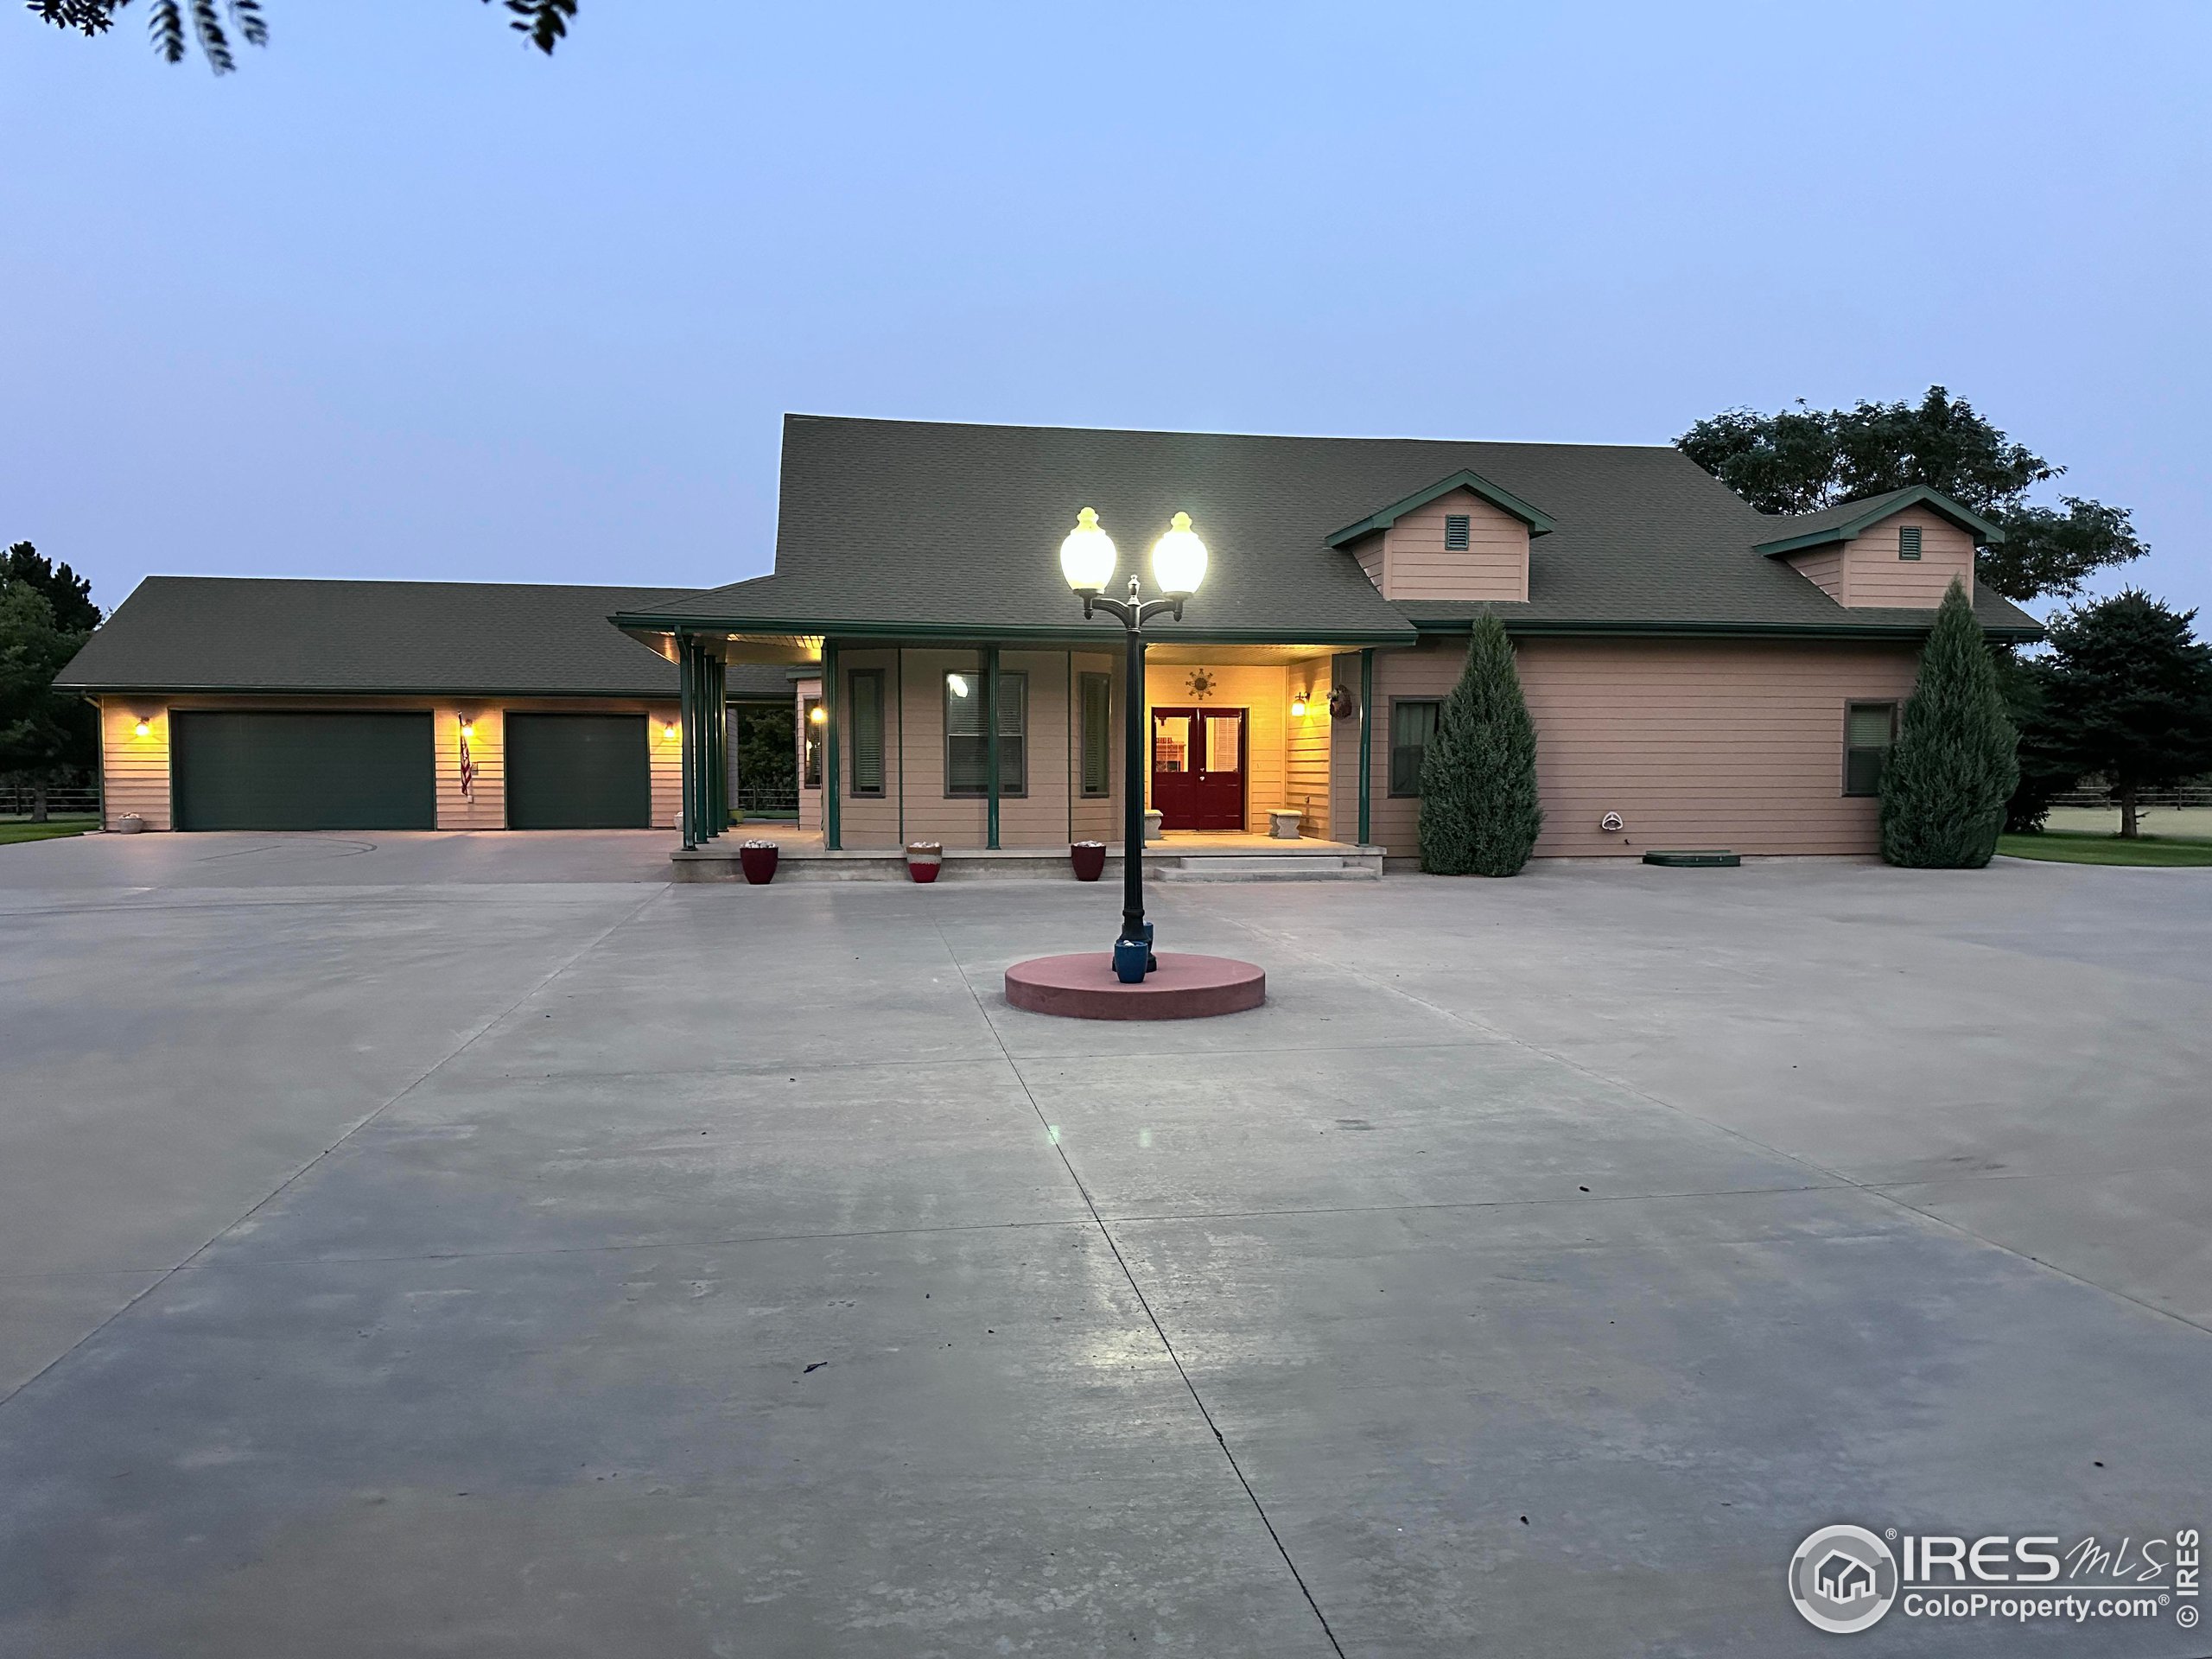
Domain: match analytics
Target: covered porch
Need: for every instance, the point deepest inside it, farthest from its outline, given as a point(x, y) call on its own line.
point(1251, 750)
point(1176, 855)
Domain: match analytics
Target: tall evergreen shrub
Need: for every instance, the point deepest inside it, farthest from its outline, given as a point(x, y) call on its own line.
point(1953, 767)
point(1479, 815)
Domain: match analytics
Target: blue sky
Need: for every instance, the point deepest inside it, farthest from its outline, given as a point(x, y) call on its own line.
point(401, 298)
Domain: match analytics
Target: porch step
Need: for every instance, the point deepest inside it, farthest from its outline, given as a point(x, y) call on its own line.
point(1268, 866)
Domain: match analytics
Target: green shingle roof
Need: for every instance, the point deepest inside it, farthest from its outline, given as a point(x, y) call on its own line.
point(1847, 518)
point(929, 528)
point(238, 633)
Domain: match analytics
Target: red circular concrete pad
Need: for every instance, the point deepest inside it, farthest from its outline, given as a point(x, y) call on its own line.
point(1181, 988)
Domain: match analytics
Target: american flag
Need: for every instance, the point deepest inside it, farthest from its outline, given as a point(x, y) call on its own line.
point(468, 766)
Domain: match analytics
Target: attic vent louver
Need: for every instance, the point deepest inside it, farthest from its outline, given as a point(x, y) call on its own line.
point(1455, 531)
point(1909, 542)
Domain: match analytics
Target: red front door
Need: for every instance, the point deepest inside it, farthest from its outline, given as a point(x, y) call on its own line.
point(1198, 767)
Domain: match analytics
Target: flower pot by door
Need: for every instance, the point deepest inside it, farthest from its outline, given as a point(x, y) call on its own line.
point(924, 859)
point(1089, 858)
point(758, 860)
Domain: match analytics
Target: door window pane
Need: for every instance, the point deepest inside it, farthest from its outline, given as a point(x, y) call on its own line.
point(1224, 747)
point(1171, 742)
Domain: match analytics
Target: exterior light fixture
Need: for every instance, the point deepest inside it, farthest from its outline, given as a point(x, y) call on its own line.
point(668, 730)
point(1178, 558)
point(467, 727)
point(1179, 564)
point(820, 715)
point(1087, 556)
point(145, 728)
point(958, 683)
point(1297, 706)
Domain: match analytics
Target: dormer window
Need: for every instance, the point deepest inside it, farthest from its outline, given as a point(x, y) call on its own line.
point(1456, 533)
point(1909, 542)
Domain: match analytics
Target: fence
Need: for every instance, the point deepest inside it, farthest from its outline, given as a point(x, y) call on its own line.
point(19, 798)
point(2197, 792)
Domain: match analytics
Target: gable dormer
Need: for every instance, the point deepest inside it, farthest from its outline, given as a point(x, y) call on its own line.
point(1462, 538)
point(1901, 550)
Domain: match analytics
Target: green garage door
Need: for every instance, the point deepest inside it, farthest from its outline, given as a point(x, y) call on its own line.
point(578, 772)
point(295, 771)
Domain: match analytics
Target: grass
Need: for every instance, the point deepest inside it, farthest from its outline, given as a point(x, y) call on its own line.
point(2077, 847)
point(22, 829)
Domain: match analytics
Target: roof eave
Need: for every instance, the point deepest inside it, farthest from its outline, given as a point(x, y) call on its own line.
point(2010, 633)
point(1073, 632)
point(1988, 534)
point(1539, 522)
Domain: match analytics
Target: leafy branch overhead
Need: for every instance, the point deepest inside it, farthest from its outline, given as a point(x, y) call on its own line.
point(176, 25)
point(1801, 460)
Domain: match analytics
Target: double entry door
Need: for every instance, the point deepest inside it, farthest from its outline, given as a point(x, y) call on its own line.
point(1198, 767)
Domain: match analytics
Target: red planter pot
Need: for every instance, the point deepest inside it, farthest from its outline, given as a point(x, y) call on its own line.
point(1089, 858)
point(758, 859)
point(924, 860)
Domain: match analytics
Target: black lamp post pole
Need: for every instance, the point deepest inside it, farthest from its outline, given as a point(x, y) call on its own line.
point(1133, 612)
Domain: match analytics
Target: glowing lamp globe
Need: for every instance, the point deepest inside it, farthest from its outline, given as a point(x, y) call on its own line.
point(1178, 558)
point(1087, 556)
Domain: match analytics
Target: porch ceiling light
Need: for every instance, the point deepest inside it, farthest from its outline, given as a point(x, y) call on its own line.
point(1178, 558)
point(1087, 556)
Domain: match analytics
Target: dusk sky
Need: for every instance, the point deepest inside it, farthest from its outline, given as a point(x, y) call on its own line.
point(402, 298)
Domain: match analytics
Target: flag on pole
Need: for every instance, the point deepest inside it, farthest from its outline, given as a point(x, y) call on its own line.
point(468, 766)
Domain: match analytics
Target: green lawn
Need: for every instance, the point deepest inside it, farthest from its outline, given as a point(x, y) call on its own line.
point(2074, 847)
point(22, 829)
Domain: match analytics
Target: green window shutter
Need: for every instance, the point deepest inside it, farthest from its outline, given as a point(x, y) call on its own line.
point(1909, 541)
point(1413, 723)
point(1868, 730)
point(1097, 735)
point(866, 692)
point(1456, 531)
point(1013, 734)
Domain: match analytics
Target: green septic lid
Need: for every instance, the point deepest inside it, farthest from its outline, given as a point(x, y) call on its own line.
point(1706, 861)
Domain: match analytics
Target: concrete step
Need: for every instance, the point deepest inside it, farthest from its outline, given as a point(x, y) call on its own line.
point(1272, 867)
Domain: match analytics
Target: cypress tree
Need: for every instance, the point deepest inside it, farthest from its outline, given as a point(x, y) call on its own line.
point(1480, 814)
point(1953, 766)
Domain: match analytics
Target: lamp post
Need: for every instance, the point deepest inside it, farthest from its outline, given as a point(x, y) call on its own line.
point(1178, 565)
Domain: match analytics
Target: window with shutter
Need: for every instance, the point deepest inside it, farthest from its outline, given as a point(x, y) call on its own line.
point(1909, 541)
point(1413, 723)
point(1097, 735)
point(1869, 728)
point(866, 686)
point(1455, 531)
point(967, 761)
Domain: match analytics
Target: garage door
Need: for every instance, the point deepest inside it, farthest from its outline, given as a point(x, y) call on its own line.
point(280, 770)
point(578, 772)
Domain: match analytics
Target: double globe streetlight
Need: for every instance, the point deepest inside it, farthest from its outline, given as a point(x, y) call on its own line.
point(1178, 565)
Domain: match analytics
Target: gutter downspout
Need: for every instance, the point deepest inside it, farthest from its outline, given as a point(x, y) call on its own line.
point(1366, 740)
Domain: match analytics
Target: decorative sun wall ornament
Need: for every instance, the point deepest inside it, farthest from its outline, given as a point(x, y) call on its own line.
point(1203, 682)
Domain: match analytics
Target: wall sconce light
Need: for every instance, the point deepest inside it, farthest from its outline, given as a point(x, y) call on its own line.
point(820, 715)
point(144, 727)
point(668, 731)
point(1297, 706)
point(467, 726)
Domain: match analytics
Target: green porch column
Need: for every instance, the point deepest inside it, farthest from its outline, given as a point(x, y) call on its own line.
point(832, 831)
point(991, 747)
point(687, 703)
point(717, 753)
point(1366, 740)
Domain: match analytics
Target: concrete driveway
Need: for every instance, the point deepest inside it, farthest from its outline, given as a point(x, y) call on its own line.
point(472, 1245)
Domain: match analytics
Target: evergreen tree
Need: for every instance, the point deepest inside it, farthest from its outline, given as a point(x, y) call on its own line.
point(2127, 695)
point(1953, 767)
point(1480, 814)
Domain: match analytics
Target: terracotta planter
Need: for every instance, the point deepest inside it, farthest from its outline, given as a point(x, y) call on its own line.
point(924, 859)
point(759, 860)
point(1089, 858)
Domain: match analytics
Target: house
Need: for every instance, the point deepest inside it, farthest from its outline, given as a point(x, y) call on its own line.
point(1702, 673)
point(1843, 1578)
point(272, 704)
